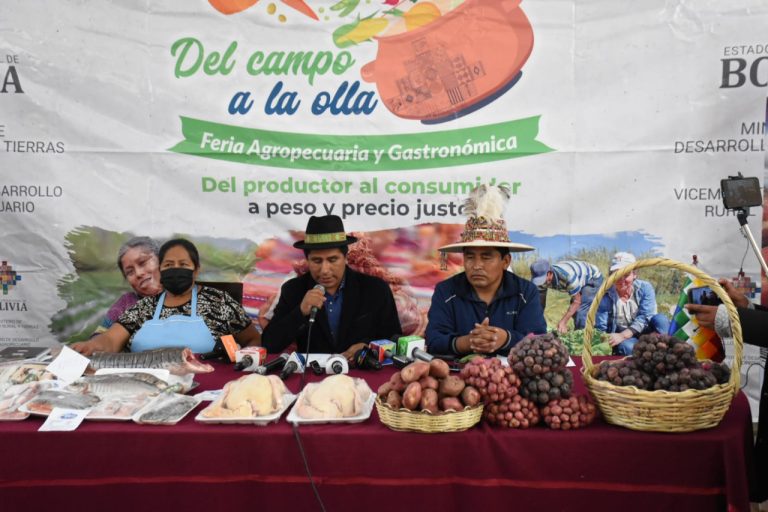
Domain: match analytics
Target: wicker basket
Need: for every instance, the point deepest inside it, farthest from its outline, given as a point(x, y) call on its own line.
point(424, 421)
point(662, 411)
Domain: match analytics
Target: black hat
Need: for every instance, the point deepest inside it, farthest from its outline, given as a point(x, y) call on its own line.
point(324, 232)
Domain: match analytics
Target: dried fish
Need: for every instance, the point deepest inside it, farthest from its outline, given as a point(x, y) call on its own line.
point(47, 400)
point(178, 361)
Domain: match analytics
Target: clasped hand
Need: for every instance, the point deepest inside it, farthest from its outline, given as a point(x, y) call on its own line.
point(485, 338)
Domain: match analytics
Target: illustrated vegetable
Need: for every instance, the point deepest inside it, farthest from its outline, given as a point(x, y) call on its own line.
point(231, 6)
point(302, 7)
point(345, 7)
point(358, 31)
point(421, 14)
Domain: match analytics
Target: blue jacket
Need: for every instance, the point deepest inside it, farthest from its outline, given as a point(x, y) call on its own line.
point(456, 309)
point(643, 293)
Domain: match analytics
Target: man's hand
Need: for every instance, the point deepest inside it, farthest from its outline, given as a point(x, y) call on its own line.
point(485, 338)
point(313, 298)
point(616, 338)
point(562, 326)
point(350, 352)
point(705, 315)
point(739, 299)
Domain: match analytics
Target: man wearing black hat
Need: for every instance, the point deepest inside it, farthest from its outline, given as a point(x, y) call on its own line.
point(352, 308)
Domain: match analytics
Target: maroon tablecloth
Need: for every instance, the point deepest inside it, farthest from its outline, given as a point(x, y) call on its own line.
point(191, 466)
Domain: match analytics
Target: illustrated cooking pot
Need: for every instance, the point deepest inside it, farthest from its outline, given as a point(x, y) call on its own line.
point(454, 65)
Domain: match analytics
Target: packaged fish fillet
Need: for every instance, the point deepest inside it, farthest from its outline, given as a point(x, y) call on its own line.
point(166, 409)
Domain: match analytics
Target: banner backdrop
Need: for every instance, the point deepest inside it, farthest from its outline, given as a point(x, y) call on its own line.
point(231, 122)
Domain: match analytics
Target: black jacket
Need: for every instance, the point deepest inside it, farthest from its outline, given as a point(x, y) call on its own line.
point(368, 313)
point(754, 326)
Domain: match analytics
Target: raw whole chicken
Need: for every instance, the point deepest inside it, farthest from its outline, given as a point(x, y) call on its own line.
point(248, 397)
point(338, 396)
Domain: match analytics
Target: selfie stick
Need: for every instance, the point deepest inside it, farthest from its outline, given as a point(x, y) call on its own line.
point(742, 214)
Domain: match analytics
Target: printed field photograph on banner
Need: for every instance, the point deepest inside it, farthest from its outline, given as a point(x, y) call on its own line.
point(231, 123)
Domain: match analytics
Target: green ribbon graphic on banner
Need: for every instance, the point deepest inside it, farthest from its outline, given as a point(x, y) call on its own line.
point(393, 152)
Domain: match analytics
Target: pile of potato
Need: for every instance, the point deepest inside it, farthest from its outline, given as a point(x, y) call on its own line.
point(423, 386)
point(569, 413)
point(500, 386)
point(540, 362)
point(662, 362)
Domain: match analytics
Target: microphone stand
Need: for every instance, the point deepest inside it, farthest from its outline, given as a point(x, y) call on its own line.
point(742, 214)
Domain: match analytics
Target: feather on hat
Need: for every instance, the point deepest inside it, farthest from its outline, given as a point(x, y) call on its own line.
point(485, 226)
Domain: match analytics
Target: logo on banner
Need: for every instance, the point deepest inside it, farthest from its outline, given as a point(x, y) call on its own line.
point(745, 64)
point(11, 82)
point(431, 66)
point(8, 277)
point(437, 60)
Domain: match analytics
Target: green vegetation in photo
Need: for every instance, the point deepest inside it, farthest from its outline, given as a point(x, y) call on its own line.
point(97, 282)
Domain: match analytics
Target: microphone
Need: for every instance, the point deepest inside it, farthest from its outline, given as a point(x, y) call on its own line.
point(245, 362)
point(412, 347)
point(384, 350)
point(275, 364)
point(366, 359)
point(294, 364)
point(417, 353)
point(313, 311)
point(336, 364)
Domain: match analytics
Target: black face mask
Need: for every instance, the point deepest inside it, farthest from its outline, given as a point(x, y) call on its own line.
point(176, 280)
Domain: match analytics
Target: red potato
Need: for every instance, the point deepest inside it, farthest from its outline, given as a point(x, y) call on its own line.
point(414, 371)
point(439, 369)
point(470, 396)
point(412, 396)
point(384, 390)
point(451, 386)
point(394, 400)
point(396, 381)
point(429, 401)
point(429, 382)
point(451, 403)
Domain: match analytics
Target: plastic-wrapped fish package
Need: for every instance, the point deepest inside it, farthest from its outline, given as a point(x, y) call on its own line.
point(16, 396)
point(166, 409)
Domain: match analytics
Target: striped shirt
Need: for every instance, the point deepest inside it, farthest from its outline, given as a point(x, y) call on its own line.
point(571, 276)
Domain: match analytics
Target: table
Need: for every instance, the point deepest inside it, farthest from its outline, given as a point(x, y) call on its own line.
point(191, 466)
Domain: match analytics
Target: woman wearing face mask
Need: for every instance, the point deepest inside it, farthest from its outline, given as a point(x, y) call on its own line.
point(138, 262)
point(185, 315)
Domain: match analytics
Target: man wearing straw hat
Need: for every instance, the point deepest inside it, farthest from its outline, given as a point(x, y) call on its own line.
point(351, 309)
point(486, 309)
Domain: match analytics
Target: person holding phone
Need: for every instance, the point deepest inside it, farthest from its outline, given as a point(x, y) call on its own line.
point(754, 325)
